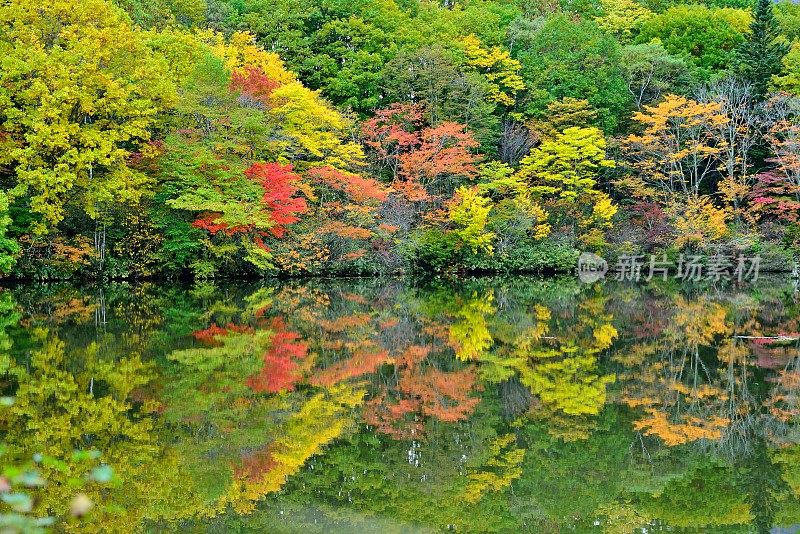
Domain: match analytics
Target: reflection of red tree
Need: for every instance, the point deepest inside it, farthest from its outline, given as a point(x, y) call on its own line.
point(421, 393)
point(256, 464)
point(281, 370)
point(774, 355)
point(210, 335)
point(364, 361)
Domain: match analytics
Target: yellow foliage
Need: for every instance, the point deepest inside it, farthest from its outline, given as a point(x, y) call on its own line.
point(701, 223)
point(469, 211)
point(505, 461)
point(621, 17)
point(498, 67)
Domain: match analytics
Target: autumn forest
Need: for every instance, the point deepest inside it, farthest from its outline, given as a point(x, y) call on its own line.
point(214, 138)
point(317, 266)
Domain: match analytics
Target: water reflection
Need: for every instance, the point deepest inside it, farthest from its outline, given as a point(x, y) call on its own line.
point(512, 404)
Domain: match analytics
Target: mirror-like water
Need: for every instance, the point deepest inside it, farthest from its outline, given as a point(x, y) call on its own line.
point(514, 404)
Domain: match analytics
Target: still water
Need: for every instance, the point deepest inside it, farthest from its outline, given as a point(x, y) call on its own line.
point(396, 405)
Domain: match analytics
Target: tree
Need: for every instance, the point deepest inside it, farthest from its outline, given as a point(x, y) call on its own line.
point(500, 70)
point(676, 150)
point(564, 113)
point(622, 17)
point(705, 37)
point(420, 160)
point(778, 190)
point(759, 57)
point(572, 59)
point(442, 152)
point(737, 136)
point(565, 172)
point(79, 91)
point(346, 63)
point(469, 211)
point(650, 71)
point(788, 80)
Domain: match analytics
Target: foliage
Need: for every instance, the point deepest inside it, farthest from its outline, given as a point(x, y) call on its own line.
point(80, 89)
point(704, 36)
point(759, 57)
point(241, 138)
point(572, 59)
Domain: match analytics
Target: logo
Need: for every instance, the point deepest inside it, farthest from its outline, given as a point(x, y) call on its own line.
point(591, 267)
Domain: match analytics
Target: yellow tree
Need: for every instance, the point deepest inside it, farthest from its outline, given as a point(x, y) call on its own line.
point(78, 89)
point(677, 149)
point(621, 17)
point(498, 67)
point(469, 211)
point(565, 172)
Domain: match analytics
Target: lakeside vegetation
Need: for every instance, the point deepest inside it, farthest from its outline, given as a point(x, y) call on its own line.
point(217, 138)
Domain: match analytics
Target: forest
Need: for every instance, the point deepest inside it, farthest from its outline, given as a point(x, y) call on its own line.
point(249, 138)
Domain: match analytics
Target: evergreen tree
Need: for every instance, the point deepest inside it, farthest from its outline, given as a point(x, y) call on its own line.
point(759, 57)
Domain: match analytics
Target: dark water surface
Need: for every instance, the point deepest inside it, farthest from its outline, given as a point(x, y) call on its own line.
point(395, 405)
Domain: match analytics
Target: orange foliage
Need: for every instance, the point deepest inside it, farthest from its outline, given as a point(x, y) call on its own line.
point(356, 254)
point(685, 430)
point(208, 336)
point(390, 228)
point(442, 150)
point(360, 189)
point(417, 155)
point(340, 324)
point(344, 230)
point(361, 363)
point(254, 84)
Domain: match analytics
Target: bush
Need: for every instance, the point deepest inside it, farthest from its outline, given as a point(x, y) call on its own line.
point(434, 250)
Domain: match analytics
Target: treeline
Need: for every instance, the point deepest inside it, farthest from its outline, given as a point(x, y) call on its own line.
point(213, 138)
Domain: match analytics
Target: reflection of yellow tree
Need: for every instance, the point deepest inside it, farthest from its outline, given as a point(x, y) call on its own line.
point(560, 368)
point(58, 410)
point(564, 374)
point(323, 418)
point(681, 398)
point(470, 334)
point(503, 466)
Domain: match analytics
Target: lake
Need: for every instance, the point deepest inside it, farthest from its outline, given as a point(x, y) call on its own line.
point(514, 404)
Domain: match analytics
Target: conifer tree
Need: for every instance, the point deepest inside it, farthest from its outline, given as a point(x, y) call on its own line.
point(759, 57)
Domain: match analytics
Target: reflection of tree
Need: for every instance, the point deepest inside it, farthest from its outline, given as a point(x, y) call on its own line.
point(320, 420)
point(67, 402)
point(501, 468)
point(282, 362)
point(469, 334)
point(559, 367)
point(498, 391)
point(680, 395)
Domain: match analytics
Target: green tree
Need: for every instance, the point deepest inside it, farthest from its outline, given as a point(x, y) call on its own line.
point(572, 59)
point(705, 37)
point(759, 57)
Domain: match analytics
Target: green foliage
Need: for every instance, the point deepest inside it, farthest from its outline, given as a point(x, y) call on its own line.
point(705, 37)
point(434, 250)
point(565, 58)
point(8, 246)
point(760, 56)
